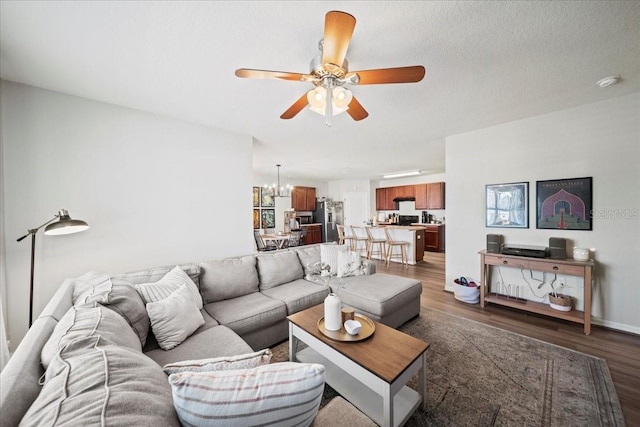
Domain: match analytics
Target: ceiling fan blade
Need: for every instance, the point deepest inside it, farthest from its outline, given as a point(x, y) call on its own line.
point(356, 110)
point(296, 107)
point(338, 28)
point(390, 75)
point(266, 74)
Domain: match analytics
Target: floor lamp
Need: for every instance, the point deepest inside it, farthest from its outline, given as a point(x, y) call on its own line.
point(64, 225)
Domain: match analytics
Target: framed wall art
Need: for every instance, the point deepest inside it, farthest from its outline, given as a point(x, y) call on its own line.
point(564, 204)
point(256, 197)
point(268, 199)
point(507, 205)
point(256, 218)
point(268, 218)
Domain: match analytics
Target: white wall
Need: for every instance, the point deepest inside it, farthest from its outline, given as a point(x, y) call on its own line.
point(600, 140)
point(155, 191)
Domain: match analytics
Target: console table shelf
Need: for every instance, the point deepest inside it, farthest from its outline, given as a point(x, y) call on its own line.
point(569, 267)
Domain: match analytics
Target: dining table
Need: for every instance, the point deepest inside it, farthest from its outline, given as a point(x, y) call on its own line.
point(279, 239)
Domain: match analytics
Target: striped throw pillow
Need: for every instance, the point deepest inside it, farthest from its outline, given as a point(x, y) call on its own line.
point(154, 292)
point(329, 255)
point(283, 394)
point(224, 363)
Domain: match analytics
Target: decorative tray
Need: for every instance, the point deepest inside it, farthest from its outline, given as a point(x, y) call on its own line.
point(368, 328)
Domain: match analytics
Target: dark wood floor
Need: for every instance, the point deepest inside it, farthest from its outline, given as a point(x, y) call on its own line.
point(620, 350)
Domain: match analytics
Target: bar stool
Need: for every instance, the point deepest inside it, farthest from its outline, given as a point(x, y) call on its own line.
point(382, 245)
point(357, 238)
point(342, 237)
point(393, 243)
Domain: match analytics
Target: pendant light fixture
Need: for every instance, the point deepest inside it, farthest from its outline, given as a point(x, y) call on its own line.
point(278, 189)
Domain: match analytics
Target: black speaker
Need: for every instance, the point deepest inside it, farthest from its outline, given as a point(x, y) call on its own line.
point(557, 248)
point(494, 243)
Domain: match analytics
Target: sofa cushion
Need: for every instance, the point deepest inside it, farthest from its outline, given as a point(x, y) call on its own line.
point(86, 321)
point(174, 318)
point(224, 363)
point(94, 382)
point(228, 278)
point(248, 312)
point(308, 256)
point(299, 294)
point(379, 294)
point(278, 268)
point(121, 297)
point(278, 394)
point(156, 291)
point(213, 342)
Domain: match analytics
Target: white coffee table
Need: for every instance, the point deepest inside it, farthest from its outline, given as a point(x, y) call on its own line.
point(371, 374)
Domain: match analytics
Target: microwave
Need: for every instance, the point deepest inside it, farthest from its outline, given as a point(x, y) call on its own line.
point(304, 217)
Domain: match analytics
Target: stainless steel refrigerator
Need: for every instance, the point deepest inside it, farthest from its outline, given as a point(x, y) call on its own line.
point(329, 213)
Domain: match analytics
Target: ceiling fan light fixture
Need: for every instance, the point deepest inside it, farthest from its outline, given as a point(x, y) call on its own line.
point(341, 98)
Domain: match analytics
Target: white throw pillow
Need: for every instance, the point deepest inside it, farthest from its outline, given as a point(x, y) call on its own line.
point(284, 393)
point(224, 363)
point(349, 264)
point(174, 318)
point(329, 255)
point(153, 292)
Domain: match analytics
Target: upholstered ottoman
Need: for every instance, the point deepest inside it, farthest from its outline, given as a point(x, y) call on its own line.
point(388, 299)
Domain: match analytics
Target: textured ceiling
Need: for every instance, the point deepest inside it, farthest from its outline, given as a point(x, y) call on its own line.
point(487, 63)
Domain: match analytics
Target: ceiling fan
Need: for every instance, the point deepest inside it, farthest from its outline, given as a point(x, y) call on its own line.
point(329, 72)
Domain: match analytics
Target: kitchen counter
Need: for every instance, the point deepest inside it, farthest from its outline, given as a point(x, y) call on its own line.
point(428, 225)
point(310, 225)
point(411, 234)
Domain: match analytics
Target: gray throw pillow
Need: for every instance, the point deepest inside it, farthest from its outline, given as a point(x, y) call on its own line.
point(93, 382)
point(89, 321)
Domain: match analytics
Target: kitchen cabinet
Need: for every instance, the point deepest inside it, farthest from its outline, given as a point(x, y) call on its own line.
point(434, 238)
point(404, 191)
point(435, 195)
point(420, 245)
point(421, 196)
point(314, 234)
point(303, 199)
point(384, 199)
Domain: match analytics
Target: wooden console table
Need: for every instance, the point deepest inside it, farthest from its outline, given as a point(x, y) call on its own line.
point(569, 267)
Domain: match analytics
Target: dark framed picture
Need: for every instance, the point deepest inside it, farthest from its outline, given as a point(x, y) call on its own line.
point(507, 205)
point(256, 218)
point(564, 204)
point(267, 199)
point(268, 218)
point(256, 197)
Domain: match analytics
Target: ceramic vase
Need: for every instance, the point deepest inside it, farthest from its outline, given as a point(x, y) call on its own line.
point(332, 313)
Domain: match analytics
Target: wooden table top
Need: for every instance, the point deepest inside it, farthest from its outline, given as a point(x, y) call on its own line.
point(387, 353)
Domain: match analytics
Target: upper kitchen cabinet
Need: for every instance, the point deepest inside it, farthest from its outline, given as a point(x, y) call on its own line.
point(303, 198)
point(384, 199)
point(404, 192)
point(429, 196)
point(421, 196)
point(435, 195)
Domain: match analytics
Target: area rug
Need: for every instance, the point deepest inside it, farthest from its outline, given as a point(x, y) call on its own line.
point(478, 375)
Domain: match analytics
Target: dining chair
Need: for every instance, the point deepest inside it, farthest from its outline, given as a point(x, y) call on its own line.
point(359, 235)
point(260, 244)
point(294, 238)
point(342, 237)
point(393, 244)
point(373, 241)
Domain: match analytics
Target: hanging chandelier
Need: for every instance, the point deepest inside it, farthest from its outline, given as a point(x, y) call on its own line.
point(278, 189)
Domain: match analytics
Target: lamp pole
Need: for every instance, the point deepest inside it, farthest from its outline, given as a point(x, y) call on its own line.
point(65, 225)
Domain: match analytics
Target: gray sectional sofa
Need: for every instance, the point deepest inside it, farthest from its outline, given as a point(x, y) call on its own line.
point(245, 302)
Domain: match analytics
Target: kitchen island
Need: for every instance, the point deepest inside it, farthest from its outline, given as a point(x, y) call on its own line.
point(414, 235)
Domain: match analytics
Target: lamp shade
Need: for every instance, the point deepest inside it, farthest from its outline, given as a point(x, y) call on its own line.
point(65, 225)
